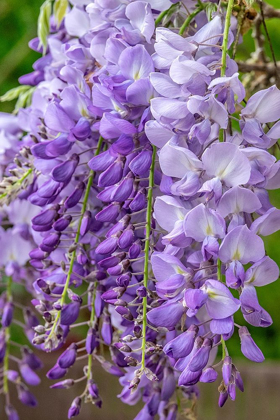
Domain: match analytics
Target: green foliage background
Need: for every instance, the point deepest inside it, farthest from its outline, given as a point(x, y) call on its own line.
point(18, 24)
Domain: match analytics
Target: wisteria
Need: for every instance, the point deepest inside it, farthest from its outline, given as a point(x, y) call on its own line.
point(135, 173)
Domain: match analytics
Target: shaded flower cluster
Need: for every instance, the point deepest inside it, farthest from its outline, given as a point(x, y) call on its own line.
point(132, 207)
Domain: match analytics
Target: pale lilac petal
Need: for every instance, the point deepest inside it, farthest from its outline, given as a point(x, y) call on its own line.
point(168, 210)
point(140, 92)
point(56, 118)
point(237, 200)
point(157, 134)
point(188, 186)
point(242, 245)
point(182, 70)
point(77, 22)
point(274, 132)
point(166, 265)
point(184, 158)
point(160, 5)
point(212, 28)
point(228, 163)
point(166, 315)
point(221, 326)
point(169, 108)
point(202, 221)
point(263, 272)
point(253, 313)
point(220, 303)
point(257, 106)
point(140, 15)
point(268, 223)
point(135, 63)
point(164, 85)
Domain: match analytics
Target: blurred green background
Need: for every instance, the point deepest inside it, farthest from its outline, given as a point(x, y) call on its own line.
point(18, 24)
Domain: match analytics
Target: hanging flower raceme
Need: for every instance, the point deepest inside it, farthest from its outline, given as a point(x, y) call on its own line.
point(141, 211)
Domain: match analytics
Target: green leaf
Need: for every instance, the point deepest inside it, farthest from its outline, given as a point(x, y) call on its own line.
point(24, 100)
point(44, 24)
point(14, 93)
point(60, 9)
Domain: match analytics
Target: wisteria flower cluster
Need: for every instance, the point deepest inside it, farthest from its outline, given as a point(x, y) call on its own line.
point(134, 194)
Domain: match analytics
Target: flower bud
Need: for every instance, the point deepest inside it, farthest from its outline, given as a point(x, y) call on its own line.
point(64, 171)
point(208, 375)
point(82, 129)
point(124, 190)
point(70, 313)
point(56, 372)
point(92, 388)
point(75, 408)
point(168, 384)
point(11, 412)
point(67, 383)
point(111, 175)
point(140, 165)
point(200, 358)
point(26, 397)
point(7, 315)
point(85, 225)
point(226, 370)
point(75, 196)
point(91, 341)
point(68, 357)
point(126, 239)
point(223, 396)
point(182, 345)
point(139, 202)
point(30, 377)
point(61, 224)
point(106, 330)
point(249, 347)
point(108, 246)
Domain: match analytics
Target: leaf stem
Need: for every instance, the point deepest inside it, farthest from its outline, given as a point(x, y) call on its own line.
point(146, 252)
point(92, 316)
point(164, 13)
point(225, 38)
point(189, 19)
point(77, 237)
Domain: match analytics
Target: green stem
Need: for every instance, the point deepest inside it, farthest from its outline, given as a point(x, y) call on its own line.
point(225, 38)
point(77, 237)
point(189, 19)
point(92, 316)
point(164, 13)
point(7, 340)
point(224, 348)
point(219, 271)
point(147, 252)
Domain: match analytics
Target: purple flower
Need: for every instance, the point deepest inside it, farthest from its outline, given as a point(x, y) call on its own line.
point(182, 345)
point(217, 298)
point(75, 408)
point(70, 313)
point(208, 375)
point(166, 315)
point(249, 347)
point(30, 377)
point(26, 397)
point(68, 357)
